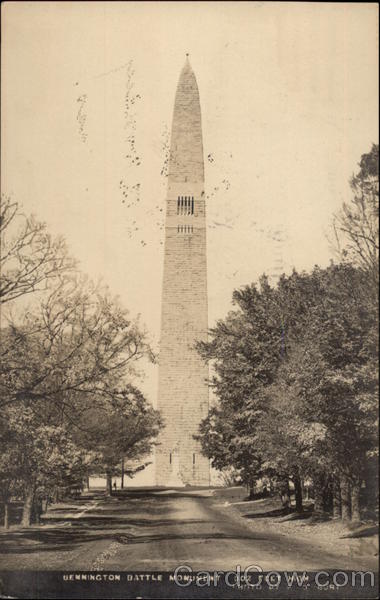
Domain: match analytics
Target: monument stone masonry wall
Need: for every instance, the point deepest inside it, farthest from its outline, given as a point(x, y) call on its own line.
point(183, 389)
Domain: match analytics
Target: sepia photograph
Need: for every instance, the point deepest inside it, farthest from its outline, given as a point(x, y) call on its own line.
point(189, 304)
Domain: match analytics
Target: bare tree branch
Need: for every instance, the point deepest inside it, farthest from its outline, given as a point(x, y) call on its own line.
point(29, 256)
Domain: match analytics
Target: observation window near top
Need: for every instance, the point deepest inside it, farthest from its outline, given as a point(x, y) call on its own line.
point(185, 205)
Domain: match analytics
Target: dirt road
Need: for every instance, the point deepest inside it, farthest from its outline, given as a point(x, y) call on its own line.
point(145, 530)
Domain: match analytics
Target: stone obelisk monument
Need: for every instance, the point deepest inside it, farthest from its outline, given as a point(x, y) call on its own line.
point(183, 390)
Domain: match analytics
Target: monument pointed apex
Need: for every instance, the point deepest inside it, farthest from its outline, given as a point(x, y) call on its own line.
point(187, 66)
point(186, 154)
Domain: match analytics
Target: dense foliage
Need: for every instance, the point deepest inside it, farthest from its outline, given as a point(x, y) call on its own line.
point(68, 371)
point(295, 370)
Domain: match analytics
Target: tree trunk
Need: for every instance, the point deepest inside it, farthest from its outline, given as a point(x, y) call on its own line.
point(306, 492)
point(345, 498)
point(355, 501)
point(328, 495)
point(251, 494)
point(318, 494)
point(37, 510)
point(109, 484)
point(28, 506)
point(337, 505)
point(122, 473)
point(6, 515)
point(298, 493)
point(285, 494)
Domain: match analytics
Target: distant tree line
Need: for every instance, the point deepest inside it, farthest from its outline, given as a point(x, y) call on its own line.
point(69, 358)
point(295, 371)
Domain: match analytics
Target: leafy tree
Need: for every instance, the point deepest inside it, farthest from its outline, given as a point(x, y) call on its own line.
point(64, 363)
point(127, 429)
point(295, 368)
point(245, 350)
point(77, 343)
point(229, 446)
point(295, 378)
point(334, 381)
point(43, 456)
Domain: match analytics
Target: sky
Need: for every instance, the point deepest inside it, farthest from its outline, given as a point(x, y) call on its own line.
point(289, 99)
